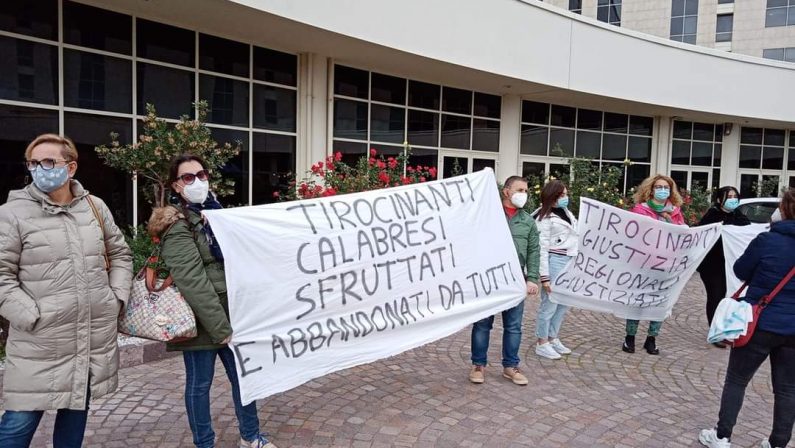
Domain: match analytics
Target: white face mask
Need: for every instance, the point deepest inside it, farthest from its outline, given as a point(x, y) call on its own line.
point(776, 216)
point(196, 192)
point(519, 199)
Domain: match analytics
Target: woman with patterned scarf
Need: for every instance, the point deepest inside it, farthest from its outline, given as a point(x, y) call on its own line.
point(194, 259)
point(658, 198)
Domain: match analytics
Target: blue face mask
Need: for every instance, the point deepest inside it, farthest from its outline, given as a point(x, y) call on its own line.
point(731, 204)
point(50, 180)
point(662, 194)
point(563, 202)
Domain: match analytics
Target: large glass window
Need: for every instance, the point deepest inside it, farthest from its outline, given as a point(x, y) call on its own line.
point(609, 11)
point(553, 133)
point(780, 54)
point(29, 71)
point(374, 110)
point(18, 126)
point(37, 18)
point(684, 20)
point(165, 43)
point(575, 6)
point(97, 28)
point(95, 81)
point(724, 27)
point(780, 13)
point(696, 150)
point(251, 94)
point(764, 161)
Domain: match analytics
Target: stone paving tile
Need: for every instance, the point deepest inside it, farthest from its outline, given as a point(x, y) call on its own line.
point(598, 397)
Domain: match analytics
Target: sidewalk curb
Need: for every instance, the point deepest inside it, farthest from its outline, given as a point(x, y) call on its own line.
point(135, 354)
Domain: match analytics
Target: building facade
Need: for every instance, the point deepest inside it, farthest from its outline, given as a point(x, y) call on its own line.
point(761, 28)
point(518, 86)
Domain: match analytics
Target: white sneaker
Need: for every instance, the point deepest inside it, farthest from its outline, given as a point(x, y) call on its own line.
point(546, 350)
point(766, 444)
point(559, 347)
point(709, 438)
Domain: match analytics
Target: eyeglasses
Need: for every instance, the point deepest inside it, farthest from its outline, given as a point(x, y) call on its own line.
point(45, 164)
point(189, 178)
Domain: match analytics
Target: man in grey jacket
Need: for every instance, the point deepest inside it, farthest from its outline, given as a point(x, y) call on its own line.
point(65, 272)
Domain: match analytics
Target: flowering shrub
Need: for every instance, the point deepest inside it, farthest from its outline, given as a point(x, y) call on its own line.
point(372, 172)
point(695, 203)
point(159, 143)
point(585, 179)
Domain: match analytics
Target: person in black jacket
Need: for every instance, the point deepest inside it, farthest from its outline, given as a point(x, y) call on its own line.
point(712, 270)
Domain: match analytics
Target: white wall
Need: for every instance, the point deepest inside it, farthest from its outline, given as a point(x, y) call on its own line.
point(542, 44)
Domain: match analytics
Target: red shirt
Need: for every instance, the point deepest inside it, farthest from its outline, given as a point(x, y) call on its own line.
point(510, 211)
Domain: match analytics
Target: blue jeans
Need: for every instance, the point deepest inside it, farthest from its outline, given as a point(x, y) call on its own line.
point(18, 427)
point(550, 315)
point(199, 372)
point(511, 337)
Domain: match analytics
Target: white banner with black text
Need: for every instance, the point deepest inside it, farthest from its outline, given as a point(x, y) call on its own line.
point(630, 265)
point(325, 284)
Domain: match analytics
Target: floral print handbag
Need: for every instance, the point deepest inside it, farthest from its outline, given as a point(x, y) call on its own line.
point(156, 310)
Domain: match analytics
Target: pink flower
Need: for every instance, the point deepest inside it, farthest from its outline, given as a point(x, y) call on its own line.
point(392, 163)
point(383, 177)
point(432, 171)
point(381, 165)
point(338, 156)
point(373, 152)
point(422, 179)
point(275, 194)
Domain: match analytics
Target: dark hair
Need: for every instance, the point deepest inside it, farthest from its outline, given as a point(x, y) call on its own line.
point(788, 204)
point(173, 170)
point(719, 196)
point(510, 181)
point(549, 197)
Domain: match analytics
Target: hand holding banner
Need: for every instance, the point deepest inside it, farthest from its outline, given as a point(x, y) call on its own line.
point(629, 265)
point(321, 285)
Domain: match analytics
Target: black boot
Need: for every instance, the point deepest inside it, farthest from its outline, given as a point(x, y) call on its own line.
point(629, 344)
point(651, 346)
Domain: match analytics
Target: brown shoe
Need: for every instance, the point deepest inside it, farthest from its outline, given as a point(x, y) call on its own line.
point(513, 374)
point(477, 374)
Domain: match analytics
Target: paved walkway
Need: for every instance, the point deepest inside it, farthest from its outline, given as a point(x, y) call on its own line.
point(597, 397)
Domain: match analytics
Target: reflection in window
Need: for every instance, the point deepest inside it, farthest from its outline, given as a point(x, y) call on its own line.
point(170, 90)
point(113, 186)
point(724, 27)
point(227, 100)
point(780, 54)
point(695, 153)
point(29, 71)
point(97, 28)
point(18, 127)
point(609, 11)
point(37, 18)
point(684, 21)
point(94, 81)
point(165, 43)
point(780, 13)
point(274, 162)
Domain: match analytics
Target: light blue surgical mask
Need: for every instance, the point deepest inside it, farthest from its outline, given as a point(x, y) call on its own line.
point(661, 194)
point(563, 202)
point(731, 204)
point(50, 180)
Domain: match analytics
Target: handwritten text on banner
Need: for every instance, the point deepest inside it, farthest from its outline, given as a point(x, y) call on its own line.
point(321, 285)
point(630, 265)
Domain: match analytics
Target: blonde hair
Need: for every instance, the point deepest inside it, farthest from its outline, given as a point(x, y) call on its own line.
point(68, 149)
point(645, 190)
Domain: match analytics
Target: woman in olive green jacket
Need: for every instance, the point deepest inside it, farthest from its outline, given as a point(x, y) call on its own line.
point(194, 259)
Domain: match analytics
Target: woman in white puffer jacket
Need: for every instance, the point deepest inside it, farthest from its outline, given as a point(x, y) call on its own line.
point(557, 229)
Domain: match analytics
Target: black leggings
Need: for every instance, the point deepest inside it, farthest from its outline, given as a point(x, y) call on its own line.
point(743, 364)
point(715, 284)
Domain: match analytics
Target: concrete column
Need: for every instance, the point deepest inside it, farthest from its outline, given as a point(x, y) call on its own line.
point(510, 130)
point(661, 146)
point(313, 111)
point(730, 157)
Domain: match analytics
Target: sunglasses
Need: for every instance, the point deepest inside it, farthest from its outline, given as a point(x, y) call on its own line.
point(45, 164)
point(189, 178)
